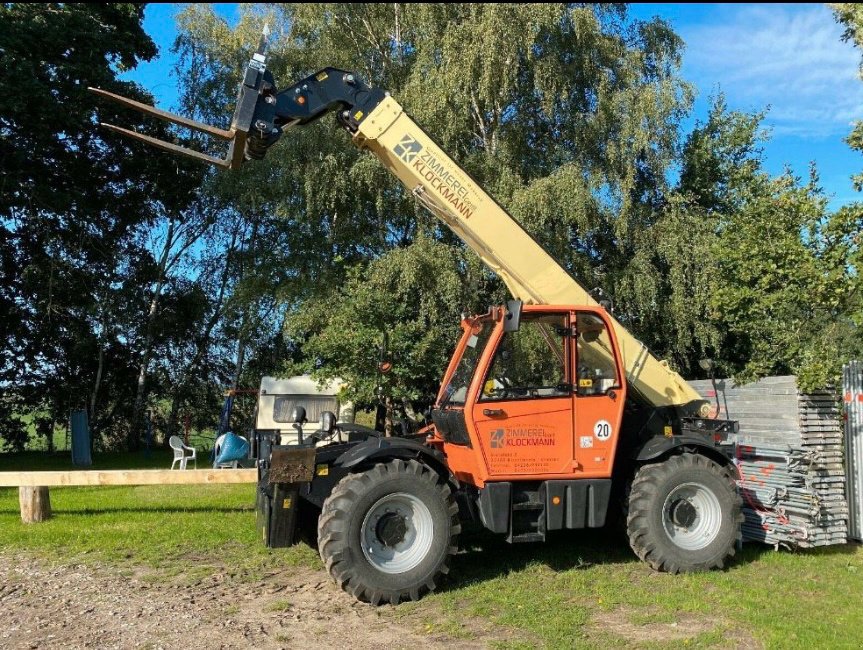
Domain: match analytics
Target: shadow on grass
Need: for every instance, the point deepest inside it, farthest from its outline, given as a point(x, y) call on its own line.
point(485, 556)
point(30, 461)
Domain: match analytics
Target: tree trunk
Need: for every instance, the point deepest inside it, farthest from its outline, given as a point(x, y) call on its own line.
point(96, 385)
point(51, 432)
point(140, 393)
point(134, 440)
point(388, 422)
point(203, 340)
point(241, 357)
point(35, 504)
point(173, 418)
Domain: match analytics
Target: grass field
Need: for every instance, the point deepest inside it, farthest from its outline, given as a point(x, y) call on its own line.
point(580, 589)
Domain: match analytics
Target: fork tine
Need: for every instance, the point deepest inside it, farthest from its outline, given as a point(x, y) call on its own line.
point(169, 146)
point(165, 115)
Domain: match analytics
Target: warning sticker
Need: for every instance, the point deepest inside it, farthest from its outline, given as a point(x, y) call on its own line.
point(602, 430)
point(585, 442)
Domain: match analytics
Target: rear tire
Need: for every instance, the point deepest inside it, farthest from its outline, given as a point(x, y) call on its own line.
point(387, 534)
point(684, 514)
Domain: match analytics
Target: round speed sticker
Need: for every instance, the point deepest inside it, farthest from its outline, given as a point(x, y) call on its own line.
point(602, 430)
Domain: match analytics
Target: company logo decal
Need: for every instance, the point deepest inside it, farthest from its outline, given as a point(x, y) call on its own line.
point(439, 174)
point(522, 437)
point(408, 149)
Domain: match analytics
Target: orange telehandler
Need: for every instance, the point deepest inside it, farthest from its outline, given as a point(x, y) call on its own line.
point(549, 413)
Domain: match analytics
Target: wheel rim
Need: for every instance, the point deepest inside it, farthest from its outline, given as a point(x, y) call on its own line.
point(397, 533)
point(691, 516)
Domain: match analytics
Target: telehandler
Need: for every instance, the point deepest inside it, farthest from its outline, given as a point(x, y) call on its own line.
point(549, 414)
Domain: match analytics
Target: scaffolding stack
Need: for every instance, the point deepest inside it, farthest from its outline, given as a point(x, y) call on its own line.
point(789, 457)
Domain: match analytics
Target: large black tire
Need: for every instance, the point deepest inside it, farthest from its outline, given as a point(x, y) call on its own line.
point(422, 527)
point(684, 514)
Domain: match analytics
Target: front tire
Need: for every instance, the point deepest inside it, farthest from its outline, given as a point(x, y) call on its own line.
point(684, 514)
point(386, 534)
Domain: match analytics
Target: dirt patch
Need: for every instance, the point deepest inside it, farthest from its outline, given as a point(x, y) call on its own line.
point(49, 605)
point(637, 627)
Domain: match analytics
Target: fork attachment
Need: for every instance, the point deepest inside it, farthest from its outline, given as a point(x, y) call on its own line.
point(257, 85)
point(263, 113)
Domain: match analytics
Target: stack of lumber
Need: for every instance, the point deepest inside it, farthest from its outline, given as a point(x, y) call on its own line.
point(789, 457)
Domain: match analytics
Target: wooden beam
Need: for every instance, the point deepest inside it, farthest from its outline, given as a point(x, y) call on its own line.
point(128, 477)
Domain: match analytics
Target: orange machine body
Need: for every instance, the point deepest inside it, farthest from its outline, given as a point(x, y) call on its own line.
point(531, 437)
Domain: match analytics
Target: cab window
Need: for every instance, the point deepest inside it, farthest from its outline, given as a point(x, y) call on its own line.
point(596, 370)
point(530, 362)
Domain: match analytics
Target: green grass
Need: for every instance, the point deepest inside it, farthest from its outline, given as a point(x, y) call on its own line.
point(580, 589)
point(174, 530)
point(278, 606)
point(557, 590)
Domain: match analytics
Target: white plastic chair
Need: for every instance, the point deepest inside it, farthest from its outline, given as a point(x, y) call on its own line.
point(180, 453)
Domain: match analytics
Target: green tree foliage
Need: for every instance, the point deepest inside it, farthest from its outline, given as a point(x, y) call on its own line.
point(72, 202)
point(411, 295)
point(782, 293)
point(850, 218)
point(567, 114)
point(775, 270)
point(850, 16)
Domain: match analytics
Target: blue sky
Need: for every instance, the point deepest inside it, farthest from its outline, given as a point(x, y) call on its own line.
point(788, 57)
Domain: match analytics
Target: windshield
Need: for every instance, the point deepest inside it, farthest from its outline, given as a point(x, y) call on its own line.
point(455, 392)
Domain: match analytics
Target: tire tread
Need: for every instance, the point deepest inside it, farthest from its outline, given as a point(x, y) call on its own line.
point(334, 522)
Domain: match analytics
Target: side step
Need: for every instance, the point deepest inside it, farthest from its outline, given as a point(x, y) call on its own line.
point(527, 519)
point(525, 511)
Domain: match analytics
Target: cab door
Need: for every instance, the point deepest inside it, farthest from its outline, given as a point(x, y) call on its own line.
point(523, 410)
point(599, 393)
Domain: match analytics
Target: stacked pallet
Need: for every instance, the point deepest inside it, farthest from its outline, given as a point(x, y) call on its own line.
point(789, 454)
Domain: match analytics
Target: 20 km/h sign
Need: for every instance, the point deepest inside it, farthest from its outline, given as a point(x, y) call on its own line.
point(602, 430)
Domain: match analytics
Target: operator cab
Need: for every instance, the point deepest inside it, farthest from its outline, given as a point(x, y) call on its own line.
point(541, 398)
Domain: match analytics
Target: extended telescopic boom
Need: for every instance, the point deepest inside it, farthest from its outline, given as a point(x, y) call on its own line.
point(377, 123)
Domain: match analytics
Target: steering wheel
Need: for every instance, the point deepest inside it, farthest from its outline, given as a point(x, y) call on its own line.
point(501, 393)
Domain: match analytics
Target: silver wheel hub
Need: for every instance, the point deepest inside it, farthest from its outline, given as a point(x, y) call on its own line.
point(691, 516)
point(397, 533)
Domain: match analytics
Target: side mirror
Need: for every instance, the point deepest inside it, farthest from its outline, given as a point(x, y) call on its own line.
point(328, 422)
point(512, 318)
point(298, 415)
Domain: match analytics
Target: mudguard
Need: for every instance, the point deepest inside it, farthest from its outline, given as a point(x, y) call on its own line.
point(377, 449)
point(659, 446)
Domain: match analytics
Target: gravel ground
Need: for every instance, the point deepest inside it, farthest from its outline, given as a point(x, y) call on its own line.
point(48, 605)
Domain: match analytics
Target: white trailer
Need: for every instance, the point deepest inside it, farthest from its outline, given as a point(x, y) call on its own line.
point(278, 398)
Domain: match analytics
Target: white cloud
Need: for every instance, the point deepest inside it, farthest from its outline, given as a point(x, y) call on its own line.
point(790, 57)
